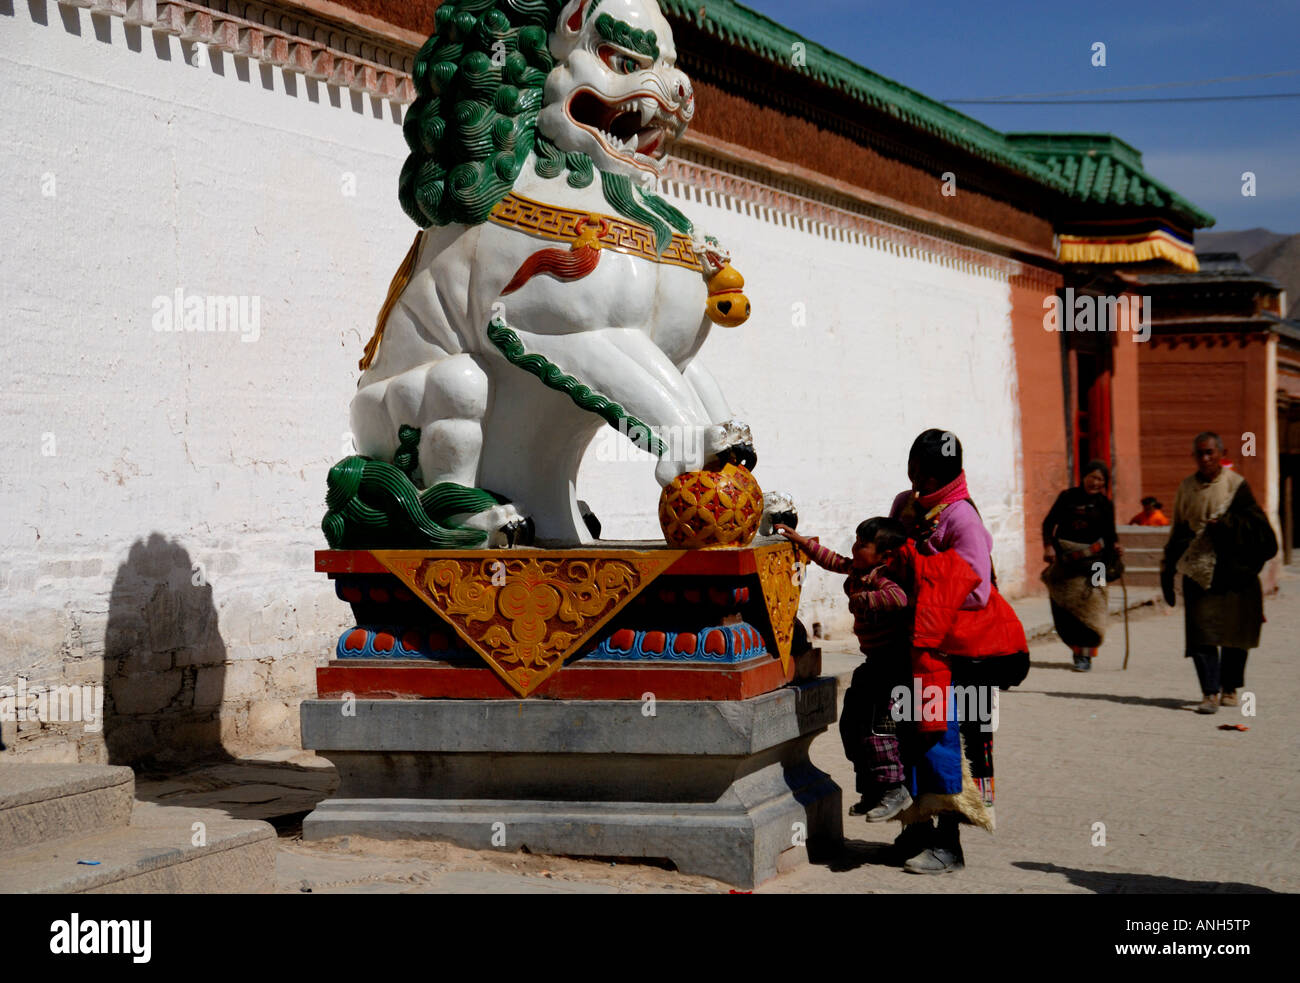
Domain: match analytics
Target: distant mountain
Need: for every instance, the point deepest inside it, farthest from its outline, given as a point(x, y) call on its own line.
point(1243, 243)
point(1281, 261)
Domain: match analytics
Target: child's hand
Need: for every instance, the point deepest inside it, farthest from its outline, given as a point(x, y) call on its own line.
point(790, 534)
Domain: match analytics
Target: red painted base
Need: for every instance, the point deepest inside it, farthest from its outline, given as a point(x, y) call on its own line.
point(374, 680)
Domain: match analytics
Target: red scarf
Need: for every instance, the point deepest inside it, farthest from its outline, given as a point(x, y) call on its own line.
point(954, 491)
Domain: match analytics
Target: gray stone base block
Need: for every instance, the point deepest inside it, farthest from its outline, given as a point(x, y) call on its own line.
point(720, 789)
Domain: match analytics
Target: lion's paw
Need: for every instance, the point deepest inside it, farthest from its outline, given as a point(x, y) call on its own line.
point(516, 532)
point(730, 443)
point(504, 525)
point(778, 509)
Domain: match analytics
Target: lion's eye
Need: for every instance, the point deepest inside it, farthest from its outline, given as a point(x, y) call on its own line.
point(623, 64)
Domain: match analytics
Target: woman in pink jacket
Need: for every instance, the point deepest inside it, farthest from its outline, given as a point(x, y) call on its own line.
point(940, 517)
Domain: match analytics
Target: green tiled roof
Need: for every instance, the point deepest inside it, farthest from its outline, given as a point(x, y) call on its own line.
point(737, 25)
point(1097, 169)
point(1104, 170)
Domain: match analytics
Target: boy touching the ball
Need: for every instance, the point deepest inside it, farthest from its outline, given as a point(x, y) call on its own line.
point(879, 599)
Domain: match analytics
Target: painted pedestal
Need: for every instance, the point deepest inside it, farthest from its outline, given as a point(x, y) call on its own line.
point(638, 702)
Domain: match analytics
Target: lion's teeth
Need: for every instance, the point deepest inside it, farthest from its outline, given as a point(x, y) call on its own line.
point(631, 143)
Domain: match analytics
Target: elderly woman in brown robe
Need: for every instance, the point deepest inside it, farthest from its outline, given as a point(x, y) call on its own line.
point(1082, 552)
point(1219, 542)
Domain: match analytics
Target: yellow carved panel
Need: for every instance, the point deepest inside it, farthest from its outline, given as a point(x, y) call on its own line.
point(526, 614)
point(781, 576)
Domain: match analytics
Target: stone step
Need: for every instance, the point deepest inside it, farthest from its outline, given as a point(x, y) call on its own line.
point(1144, 550)
point(155, 853)
point(1152, 536)
point(1134, 560)
point(1137, 553)
point(1148, 576)
point(41, 802)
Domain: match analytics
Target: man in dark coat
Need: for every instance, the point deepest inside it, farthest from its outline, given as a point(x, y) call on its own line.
point(1219, 542)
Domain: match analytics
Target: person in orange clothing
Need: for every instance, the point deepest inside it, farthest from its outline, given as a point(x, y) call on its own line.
point(1150, 514)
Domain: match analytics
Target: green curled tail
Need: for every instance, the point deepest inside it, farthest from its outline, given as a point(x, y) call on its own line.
point(374, 505)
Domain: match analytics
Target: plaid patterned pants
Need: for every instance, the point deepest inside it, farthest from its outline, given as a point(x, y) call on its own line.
point(867, 727)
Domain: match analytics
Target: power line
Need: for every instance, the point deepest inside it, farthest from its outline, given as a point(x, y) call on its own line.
point(1135, 88)
point(1115, 102)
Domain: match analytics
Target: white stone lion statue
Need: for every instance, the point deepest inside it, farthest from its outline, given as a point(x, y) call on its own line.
point(551, 291)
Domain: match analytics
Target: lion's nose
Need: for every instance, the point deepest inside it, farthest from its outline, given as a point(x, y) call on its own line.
point(685, 94)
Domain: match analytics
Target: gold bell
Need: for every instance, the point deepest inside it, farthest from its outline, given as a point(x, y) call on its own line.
point(727, 305)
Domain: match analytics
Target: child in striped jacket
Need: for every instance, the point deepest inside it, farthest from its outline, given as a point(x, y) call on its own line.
point(882, 621)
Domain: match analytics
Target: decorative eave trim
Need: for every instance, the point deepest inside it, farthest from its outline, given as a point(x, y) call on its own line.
point(807, 185)
point(371, 56)
point(695, 176)
point(382, 72)
point(1120, 250)
point(372, 25)
point(1208, 339)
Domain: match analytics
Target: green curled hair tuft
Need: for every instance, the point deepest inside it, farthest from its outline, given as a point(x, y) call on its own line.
point(479, 82)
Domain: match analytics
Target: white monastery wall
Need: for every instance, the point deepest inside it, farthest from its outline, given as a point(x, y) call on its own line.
point(162, 490)
point(131, 455)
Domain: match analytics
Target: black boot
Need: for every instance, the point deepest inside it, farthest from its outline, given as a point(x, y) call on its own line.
point(944, 854)
point(914, 839)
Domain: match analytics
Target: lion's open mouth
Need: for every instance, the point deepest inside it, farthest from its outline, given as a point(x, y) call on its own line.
point(637, 127)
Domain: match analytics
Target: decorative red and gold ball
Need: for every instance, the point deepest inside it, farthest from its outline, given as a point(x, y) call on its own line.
point(699, 509)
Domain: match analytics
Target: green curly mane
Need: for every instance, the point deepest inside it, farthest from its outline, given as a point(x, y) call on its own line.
point(479, 81)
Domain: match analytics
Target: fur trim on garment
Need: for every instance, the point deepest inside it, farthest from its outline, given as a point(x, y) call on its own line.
point(1076, 593)
point(968, 804)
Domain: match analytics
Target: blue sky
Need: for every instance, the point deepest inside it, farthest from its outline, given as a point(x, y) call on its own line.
point(1009, 47)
